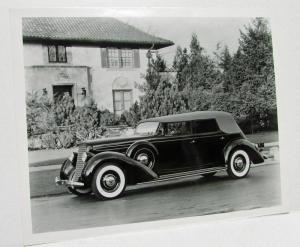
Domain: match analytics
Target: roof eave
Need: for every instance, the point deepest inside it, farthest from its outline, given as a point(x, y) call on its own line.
point(102, 43)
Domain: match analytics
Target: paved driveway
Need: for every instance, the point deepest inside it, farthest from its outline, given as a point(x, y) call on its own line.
point(168, 200)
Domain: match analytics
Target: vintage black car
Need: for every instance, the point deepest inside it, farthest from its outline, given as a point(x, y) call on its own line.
point(162, 148)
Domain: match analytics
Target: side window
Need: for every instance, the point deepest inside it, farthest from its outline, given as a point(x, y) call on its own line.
point(57, 54)
point(203, 126)
point(120, 58)
point(178, 128)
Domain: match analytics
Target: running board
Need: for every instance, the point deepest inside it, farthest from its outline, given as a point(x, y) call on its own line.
point(185, 174)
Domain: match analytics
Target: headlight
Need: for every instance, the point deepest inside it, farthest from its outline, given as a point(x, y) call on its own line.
point(84, 157)
point(71, 157)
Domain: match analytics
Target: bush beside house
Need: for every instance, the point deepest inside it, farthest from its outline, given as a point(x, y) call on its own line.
point(60, 124)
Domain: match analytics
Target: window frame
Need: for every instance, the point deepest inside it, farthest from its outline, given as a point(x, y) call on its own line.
point(189, 123)
point(109, 57)
point(123, 91)
point(57, 53)
point(120, 58)
point(131, 57)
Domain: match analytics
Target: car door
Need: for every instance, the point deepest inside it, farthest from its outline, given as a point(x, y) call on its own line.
point(174, 148)
point(209, 141)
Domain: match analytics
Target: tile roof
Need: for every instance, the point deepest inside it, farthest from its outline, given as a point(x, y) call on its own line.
point(88, 30)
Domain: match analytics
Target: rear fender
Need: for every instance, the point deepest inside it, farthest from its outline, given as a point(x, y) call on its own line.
point(246, 145)
point(141, 172)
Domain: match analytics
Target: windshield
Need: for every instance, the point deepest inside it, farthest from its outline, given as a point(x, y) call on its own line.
point(147, 128)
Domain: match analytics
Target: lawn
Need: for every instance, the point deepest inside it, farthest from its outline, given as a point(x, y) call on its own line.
point(263, 137)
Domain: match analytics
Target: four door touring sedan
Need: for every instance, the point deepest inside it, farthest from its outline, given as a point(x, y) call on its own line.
point(162, 148)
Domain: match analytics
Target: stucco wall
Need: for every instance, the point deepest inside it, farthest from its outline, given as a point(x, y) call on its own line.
point(83, 69)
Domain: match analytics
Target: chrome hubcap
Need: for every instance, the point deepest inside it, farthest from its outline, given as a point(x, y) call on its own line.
point(143, 158)
point(109, 181)
point(239, 164)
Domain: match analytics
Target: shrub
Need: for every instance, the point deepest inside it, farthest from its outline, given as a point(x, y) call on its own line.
point(39, 114)
point(66, 139)
point(49, 140)
point(108, 119)
point(133, 116)
point(63, 110)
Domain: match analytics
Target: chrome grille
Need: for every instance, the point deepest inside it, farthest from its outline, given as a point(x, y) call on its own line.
point(79, 162)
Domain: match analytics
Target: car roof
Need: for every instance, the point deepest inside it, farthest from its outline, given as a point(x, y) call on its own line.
point(224, 119)
point(189, 116)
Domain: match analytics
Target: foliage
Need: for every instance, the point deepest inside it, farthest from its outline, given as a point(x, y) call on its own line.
point(63, 110)
point(39, 114)
point(161, 95)
point(133, 116)
point(242, 83)
point(108, 119)
point(59, 124)
point(49, 140)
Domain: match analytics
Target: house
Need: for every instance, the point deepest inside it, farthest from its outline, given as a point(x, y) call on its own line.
point(87, 57)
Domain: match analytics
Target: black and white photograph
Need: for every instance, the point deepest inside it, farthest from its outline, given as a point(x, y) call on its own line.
point(140, 119)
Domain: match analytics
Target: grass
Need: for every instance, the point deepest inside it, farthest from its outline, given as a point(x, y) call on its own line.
point(263, 137)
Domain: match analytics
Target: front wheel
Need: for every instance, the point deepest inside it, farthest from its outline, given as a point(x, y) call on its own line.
point(238, 164)
point(109, 181)
point(79, 191)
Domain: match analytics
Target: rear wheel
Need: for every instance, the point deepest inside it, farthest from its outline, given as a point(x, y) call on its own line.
point(238, 164)
point(109, 181)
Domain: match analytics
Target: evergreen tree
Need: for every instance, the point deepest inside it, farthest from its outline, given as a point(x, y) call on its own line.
point(161, 95)
point(258, 80)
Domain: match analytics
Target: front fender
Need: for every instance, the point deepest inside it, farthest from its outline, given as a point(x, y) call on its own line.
point(97, 160)
point(248, 146)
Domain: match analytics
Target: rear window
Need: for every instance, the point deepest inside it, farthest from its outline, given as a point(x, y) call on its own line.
point(203, 126)
point(178, 128)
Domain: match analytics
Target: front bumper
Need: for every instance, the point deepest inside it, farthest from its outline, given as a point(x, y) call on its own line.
point(68, 183)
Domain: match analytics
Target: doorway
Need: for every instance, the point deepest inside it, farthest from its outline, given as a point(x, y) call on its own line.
point(60, 90)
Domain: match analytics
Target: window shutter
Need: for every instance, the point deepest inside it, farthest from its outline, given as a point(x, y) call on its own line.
point(120, 58)
point(136, 58)
point(104, 58)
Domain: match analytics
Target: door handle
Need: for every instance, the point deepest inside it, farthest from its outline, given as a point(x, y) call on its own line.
point(192, 141)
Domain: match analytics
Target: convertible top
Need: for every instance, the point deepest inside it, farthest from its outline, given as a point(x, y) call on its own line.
point(224, 119)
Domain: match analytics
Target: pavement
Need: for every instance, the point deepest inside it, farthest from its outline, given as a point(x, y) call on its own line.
point(166, 200)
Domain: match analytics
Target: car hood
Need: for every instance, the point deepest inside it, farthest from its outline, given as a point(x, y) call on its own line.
point(111, 140)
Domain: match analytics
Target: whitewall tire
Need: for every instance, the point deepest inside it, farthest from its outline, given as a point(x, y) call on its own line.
point(238, 164)
point(109, 181)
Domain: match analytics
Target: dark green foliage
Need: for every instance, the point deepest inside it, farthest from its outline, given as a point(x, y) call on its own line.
point(39, 114)
point(242, 83)
point(59, 124)
point(63, 110)
point(49, 140)
point(85, 119)
point(66, 139)
point(161, 94)
point(108, 119)
point(133, 116)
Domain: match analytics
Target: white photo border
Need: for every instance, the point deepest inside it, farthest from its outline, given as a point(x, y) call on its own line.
point(20, 114)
